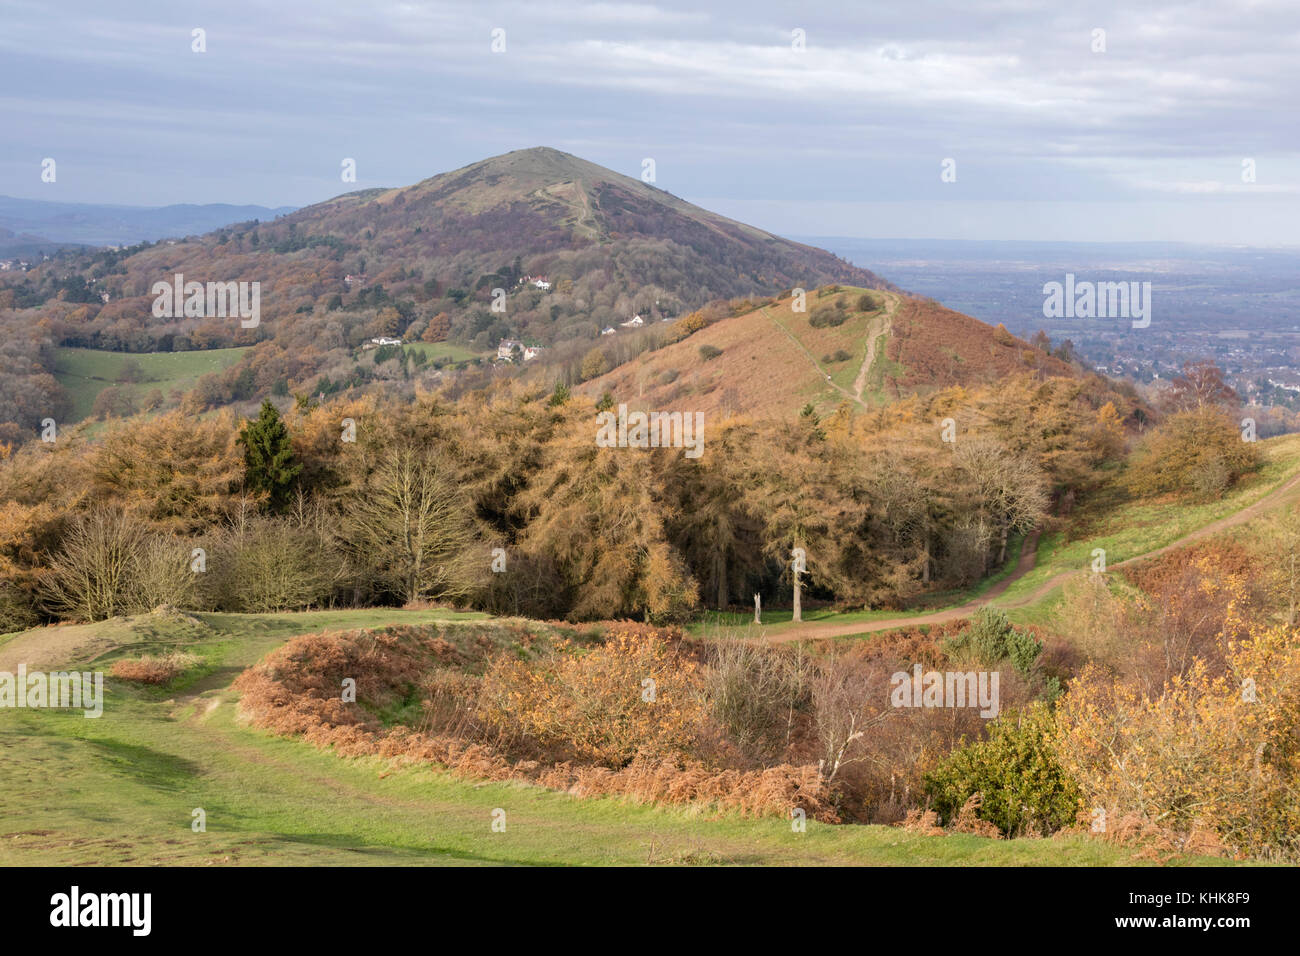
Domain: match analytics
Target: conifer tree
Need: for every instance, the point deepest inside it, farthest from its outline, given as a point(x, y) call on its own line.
point(268, 456)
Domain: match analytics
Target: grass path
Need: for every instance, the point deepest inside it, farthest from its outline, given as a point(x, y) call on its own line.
point(121, 790)
point(1286, 493)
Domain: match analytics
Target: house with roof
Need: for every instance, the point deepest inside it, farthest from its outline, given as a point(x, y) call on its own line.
point(633, 323)
point(507, 348)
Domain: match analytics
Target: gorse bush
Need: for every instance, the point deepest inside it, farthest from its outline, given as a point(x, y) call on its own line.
point(990, 638)
point(1023, 786)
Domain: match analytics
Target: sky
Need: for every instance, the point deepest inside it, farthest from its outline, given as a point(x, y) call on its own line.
point(802, 118)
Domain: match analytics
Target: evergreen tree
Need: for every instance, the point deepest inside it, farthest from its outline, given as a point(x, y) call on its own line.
point(268, 456)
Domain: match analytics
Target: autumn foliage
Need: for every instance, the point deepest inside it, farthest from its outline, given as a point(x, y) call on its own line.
point(405, 675)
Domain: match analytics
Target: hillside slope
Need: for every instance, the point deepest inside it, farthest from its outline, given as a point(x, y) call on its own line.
point(772, 361)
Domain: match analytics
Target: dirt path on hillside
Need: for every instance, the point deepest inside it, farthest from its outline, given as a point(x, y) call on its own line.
point(1275, 498)
point(873, 336)
point(49, 648)
point(811, 358)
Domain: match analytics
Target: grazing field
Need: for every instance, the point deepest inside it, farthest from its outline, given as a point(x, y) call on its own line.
point(443, 350)
point(87, 372)
point(121, 789)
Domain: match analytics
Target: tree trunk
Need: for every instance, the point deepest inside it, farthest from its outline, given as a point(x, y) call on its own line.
point(798, 613)
point(722, 581)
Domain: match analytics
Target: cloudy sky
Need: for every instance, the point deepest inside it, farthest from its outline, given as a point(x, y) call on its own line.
point(1051, 137)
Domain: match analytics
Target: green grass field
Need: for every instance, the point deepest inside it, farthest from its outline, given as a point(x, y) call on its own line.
point(443, 350)
point(121, 789)
point(87, 372)
point(1125, 529)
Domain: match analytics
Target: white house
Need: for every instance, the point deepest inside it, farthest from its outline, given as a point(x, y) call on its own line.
point(633, 323)
point(608, 331)
point(385, 340)
point(532, 351)
point(507, 347)
point(542, 283)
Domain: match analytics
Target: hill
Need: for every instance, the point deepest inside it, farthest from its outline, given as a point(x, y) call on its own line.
point(535, 245)
point(397, 261)
point(773, 360)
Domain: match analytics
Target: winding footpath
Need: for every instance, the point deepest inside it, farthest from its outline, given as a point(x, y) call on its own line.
point(1282, 495)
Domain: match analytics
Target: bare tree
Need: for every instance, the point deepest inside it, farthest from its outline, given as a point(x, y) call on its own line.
point(409, 526)
point(92, 575)
point(840, 695)
point(1009, 489)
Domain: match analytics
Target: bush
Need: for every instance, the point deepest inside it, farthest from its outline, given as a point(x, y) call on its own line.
point(592, 705)
point(709, 352)
point(1205, 753)
point(990, 638)
point(155, 670)
point(268, 564)
point(755, 694)
point(827, 316)
point(1198, 453)
point(109, 566)
point(16, 612)
point(1022, 785)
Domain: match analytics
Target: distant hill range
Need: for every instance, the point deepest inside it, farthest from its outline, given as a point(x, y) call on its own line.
point(28, 225)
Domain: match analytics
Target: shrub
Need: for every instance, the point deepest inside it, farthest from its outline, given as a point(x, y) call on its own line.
point(161, 575)
point(266, 564)
point(709, 352)
point(155, 670)
point(1197, 453)
point(755, 694)
point(597, 704)
point(1020, 782)
point(108, 566)
point(826, 316)
point(1205, 752)
point(990, 638)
